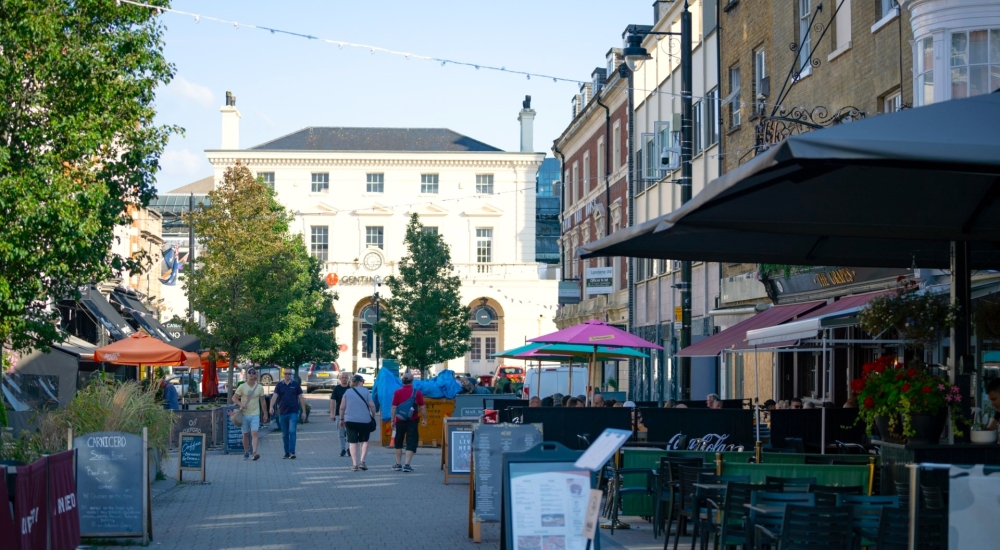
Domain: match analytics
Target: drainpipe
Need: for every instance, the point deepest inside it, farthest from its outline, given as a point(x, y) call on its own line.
point(562, 205)
point(607, 171)
point(624, 71)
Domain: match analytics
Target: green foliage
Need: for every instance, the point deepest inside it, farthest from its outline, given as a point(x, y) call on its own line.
point(921, 319)
point(771, 271)
point(78, 149)
point(317, 319)
point(424, 321)
point(254, 283)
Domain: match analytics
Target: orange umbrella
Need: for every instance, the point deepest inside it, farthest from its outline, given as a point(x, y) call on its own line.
point(142, 349)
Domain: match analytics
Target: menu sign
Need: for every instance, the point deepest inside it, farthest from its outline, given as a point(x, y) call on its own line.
point(489, 441)
point(551, 504)
point(109, 474)
point(234, 433)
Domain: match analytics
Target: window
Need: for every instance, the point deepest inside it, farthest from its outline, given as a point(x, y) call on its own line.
point(375, 183)
point(574, 193)
point(601, 154)
point(712, 118)
point(925, 71)
point(975, 62)
point(886, 8)
point(734, 94)
point(650, 164)
point(429, 183)
point(587, 184)
point(475, 349)
point(616, 147)
point(892, 103)
point(805, 37)
point(320, 183)
point(267, 178)
point(842, 26)
point(319, 245)
point(759, 74)
point(696, 128)
point(484, 184)
point(491, 346)
point(430, 230)
point(374, 236)
point(484, 245)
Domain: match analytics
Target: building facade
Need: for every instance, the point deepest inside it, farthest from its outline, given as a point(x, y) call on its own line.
point(352, 192)
point(655, 146)
point(548, 202)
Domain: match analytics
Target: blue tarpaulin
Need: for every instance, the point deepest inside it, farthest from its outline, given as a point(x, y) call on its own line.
point(387, 382)
point(443, 385)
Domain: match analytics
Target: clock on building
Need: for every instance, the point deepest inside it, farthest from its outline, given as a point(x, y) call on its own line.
point(372, 261)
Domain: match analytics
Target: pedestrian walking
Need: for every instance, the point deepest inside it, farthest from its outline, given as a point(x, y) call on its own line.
point(336, 396)
point(249, 397)
point(357, 411)
point(407, 408)
point(291, 406)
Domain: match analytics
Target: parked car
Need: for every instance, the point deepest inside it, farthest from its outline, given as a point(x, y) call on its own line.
point(183, 383)
point(319, 376)
point(223, 374)
point(267, 374)
point(368, 373)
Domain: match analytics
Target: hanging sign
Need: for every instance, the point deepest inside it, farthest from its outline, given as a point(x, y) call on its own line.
point(599, 280)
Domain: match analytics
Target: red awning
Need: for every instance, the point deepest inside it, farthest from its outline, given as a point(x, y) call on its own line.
point(808, 325)
point(735, 337)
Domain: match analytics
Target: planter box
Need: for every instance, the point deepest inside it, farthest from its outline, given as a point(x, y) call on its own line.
point(195, 421)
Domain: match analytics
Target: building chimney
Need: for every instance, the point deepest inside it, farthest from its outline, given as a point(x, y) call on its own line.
point(527, 119)
point(230, 124)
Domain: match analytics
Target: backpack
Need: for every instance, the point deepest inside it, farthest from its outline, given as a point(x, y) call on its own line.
point(404, 411)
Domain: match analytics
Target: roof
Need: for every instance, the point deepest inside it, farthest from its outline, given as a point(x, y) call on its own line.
point(376, 139)
point(203, 186)
point(735, 337)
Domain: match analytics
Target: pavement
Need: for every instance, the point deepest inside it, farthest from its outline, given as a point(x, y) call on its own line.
point(316, 501)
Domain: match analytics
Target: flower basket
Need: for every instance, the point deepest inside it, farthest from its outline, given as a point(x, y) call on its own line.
point(921, 319)
point(987, 318)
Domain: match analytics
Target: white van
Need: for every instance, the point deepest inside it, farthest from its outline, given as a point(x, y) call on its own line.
point(555, 380)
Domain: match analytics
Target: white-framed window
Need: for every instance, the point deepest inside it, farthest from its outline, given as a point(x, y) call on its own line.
point(587, 184)
point(925, 71)
point(697, 127)
point(601, 154)
point(484, 245)
point(805, 37)
point(734, 91)
point(712, 118)
point(320, 182)
point(484, 184)
point(475, 349)
point(375, 183)
point(975, 62)
point(319, 242)
point(759, 74)
point(616, 146)
point(574, 192)
point(429, 184)
point(374, 236)
point(267, 178)
point(886, 8)
point(893, 102)
point(430, 229)
point(490, 346)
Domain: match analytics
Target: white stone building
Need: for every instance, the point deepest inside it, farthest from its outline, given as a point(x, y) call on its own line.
point(352, 192)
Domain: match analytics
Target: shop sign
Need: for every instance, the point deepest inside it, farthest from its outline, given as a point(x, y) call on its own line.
point(569, 292)
point(599, 280)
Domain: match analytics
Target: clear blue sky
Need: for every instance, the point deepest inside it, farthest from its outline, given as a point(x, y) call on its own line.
point(286, 83)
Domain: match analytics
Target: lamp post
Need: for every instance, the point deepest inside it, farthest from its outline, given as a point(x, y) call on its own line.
point(633, 54)
point(376, 283)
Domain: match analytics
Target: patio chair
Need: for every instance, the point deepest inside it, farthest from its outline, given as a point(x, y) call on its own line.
point(731, 530)
point(686, 510)
point(893, 528)
point(646, 489)
point(867, 511)
point(811, 528)
point(902, 489)
point(933, 497)
point(667, 487)
point(711, 477)
point(826, 495)
point(792, 484)
point(769, 521)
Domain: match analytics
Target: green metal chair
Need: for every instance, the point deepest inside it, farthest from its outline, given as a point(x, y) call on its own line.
point(811, 528)
point(867, 511)
point(687, 512)
point(789, 484)
point(667, 488)
point(770, 522)
point(826, 495)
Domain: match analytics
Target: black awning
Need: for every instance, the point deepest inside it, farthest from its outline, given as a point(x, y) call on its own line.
point(133, 306)
point(187, 342)
point(104, 314)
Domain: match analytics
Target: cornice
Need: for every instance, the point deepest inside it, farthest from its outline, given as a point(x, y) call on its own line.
point(250, 159)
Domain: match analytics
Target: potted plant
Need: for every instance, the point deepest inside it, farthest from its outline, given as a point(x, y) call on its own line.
point(878, 397)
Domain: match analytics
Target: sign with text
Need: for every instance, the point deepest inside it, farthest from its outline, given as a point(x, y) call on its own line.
point(191, 456)
point(109, 477)
point(30, 518)
point(599, 280)
point(489, 442)
point(233, 442)
point(569, 292)
point(64, 514)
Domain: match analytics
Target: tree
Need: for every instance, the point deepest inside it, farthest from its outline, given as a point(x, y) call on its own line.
point(424, 321)
point(78, 149)
point(315, 342)
point(250, 280)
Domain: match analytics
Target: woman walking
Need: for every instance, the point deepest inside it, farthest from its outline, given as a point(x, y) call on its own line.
point(356, 412)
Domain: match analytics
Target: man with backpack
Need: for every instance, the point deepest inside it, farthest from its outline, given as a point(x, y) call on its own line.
point(407, 408)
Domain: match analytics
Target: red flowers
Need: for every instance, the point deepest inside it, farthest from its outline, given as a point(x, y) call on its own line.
point(869, 403)
point(906, 387)
point(857, 385)
point(911, 372)
point(926, 389)
point(880, 368)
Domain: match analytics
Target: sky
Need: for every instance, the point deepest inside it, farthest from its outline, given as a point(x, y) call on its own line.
point(285, 83)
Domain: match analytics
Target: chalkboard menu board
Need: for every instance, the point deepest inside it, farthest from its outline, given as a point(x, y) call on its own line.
point(488, 442)
point(191, 455)
point(109, 477)
point(234, 434)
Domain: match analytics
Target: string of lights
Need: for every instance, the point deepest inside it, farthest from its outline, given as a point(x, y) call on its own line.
point(341, 44)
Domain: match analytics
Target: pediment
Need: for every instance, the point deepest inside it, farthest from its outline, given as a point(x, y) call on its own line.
point(484, 211)
point(374, 210)
point(325, 207)
point(425, 210)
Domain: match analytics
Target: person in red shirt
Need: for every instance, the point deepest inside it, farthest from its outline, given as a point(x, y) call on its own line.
point(406, 428)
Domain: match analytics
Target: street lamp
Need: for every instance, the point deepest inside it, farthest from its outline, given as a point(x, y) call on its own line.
point(376, 283)
point(634, 53)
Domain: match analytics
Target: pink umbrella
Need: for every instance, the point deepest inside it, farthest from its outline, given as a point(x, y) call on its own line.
point(594, 333)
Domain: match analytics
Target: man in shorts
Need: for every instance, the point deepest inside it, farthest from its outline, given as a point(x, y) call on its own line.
point(336, 396)
point(407, 430)
point(249, 398)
